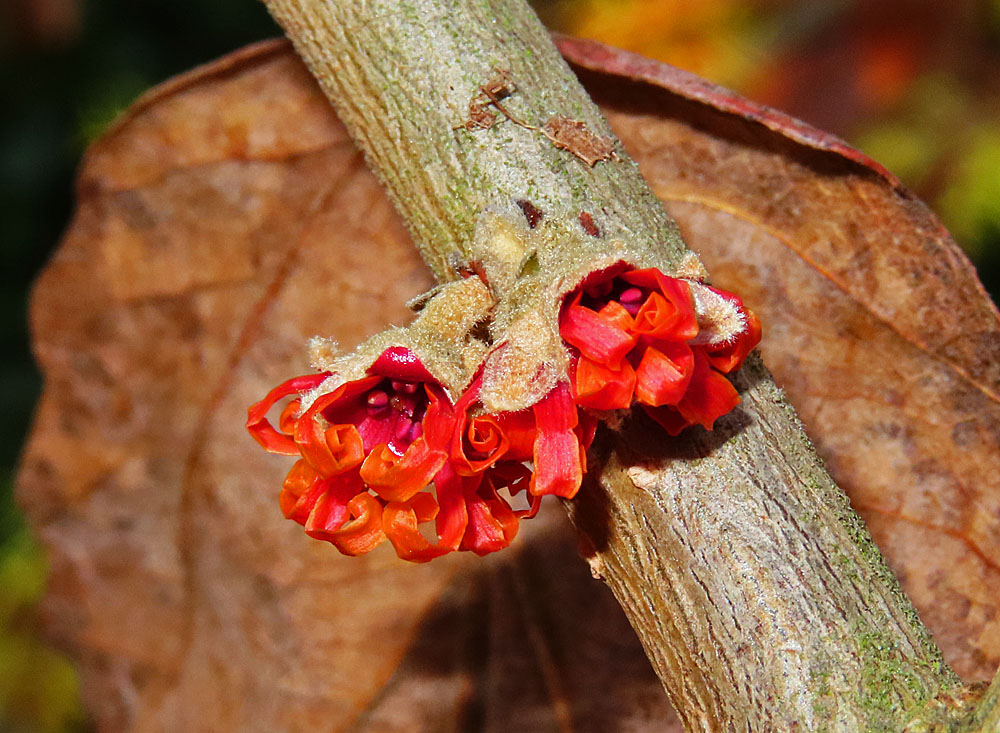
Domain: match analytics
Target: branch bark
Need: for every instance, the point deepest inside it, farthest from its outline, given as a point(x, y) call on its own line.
point(757, 592)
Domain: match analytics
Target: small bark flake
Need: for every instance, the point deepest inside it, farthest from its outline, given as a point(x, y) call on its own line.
point(531, 212)
point(564, 133)
point(575, 137)
point(481, 117)
point(587, 222)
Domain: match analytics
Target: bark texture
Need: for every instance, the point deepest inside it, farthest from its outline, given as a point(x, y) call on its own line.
point(756, 590)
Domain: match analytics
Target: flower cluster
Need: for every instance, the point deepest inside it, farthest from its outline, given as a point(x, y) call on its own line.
point(636, 338)
point(390, 456)
point(383, 456)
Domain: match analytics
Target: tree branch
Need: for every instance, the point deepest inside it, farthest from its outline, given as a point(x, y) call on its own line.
point(757, 592)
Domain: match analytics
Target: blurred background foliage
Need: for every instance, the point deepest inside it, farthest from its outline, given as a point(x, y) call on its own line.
point(914, 83)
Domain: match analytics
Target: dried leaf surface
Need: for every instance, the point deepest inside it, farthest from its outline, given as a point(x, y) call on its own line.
point(874, 323)
point(222, 223)
point(227, 219)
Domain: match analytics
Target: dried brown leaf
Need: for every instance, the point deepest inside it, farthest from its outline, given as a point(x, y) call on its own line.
point(227, 218)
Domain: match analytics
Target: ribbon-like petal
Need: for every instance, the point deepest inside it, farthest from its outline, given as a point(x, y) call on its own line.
point(558, 457)
point(597, 337)
point(398, 478)
point(259, 426)
point(300, 492)
point(668, 311)
point(664, 373)
point(709, 396)
point(361, 534)
point(602, 388)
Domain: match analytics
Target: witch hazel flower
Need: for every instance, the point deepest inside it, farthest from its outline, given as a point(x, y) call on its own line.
point(384, 456)
point(365, 447)
point(640, 337)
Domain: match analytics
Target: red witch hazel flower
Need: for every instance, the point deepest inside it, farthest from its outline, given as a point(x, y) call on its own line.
point(382, 455)
point(636, 338)
point(390, 456)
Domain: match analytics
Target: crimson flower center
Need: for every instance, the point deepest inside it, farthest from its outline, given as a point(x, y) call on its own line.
point(398, 408)
point(598, 295)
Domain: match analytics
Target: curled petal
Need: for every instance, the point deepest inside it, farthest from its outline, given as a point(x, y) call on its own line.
point(586, 430)
point(289, 416)
point(300, 491)
point(668, 316)
point(519, 428)
point(360, 534)
point(398, 478)
point(477, 442)
point(479, 445)
point(531, 511)
point(259, 426)
point(401, 522)
point(709, 396)
point(668, 418)
point(615, 313)
point(492, 523)
point(328, 511)
point(664, 373)
point(597, 337)
point(601, 388)
point(330, 450)
point(557, 451)
point(515, 477)
point(439, 420)
point(453, 516)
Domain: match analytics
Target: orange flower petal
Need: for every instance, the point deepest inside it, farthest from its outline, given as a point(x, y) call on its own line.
point(286, 422)
point(344, 444)
point(453, 517)
point(596, 337)
point(668, 418)
point(362, 533)
point(300, 491)
point(479, 445)
point(329, 449)
point(259, 426)
point(586, 429)
point(664, 373)
point(614, 312)
point(600, 388)
point(668, 311)
point(492, 523)
point(401, 522)
point(397, 478)
point(519, 427)
point(709, 396)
